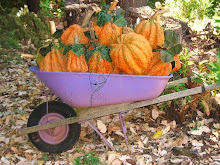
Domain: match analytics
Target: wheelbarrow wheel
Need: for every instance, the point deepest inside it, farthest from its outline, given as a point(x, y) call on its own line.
point(55, 140)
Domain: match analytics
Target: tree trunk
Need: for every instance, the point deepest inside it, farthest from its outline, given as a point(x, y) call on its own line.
point(125, 4)
point(75, 12)
point(33, 5)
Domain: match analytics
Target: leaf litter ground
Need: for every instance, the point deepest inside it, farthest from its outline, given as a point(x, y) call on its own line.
point(158, 134)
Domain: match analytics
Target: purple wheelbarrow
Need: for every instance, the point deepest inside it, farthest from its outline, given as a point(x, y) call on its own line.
point(54, 126)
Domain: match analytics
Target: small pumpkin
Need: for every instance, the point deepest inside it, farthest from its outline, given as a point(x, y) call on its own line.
point(108, 33)
point(68, 36)
point(157, 67)
point(152, 31)
point(53, 61)
point(177, 64)
point(100, 62)
point(131, 53)
point(76, 63)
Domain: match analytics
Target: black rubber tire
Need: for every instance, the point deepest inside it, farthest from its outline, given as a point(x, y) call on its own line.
point(60, 108)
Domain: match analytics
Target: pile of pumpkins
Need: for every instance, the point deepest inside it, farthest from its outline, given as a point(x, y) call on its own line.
point(110, 49)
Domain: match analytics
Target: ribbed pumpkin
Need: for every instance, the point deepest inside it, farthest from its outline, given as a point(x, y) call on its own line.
point(131, 53)
point(177, 64)
point(157, 67)
point(108, 33)
point(68, 36)
point(97, 64)
point(152, 31)
point(53, 61)
point(75, 63)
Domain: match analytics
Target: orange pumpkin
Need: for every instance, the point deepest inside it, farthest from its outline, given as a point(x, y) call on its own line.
point(97, 64)
point(68, 36)
point(152, 31)
point(177, 63)
point(108, 33)
point(75, 63)
point(131, 53)
point(157, 67)
point(53, 61)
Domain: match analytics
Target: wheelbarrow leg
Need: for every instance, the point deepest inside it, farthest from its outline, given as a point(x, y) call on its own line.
point(124, 129)
point(103, 138)
point(46, 95)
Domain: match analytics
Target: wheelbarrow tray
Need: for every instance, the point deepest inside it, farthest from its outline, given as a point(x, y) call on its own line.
point(94, 89)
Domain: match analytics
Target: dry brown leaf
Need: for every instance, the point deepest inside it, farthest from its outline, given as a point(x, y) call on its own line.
point(113, 128)
point(101, 126)
point(206, 107)
point(155, 114)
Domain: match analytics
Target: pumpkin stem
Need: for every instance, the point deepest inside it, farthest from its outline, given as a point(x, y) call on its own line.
point(113, 5)
point(92, 34)
point(158, 13)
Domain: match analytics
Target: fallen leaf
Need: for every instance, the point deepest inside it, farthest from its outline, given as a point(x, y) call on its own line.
point(176, 160)
point(158, 134)
point(166, 130)
point(133, 131)
point(163, 152)
point(140, 144)
point(197, 143)
point(155, 114)
point(101, 126)
point(206, 107)
point(28, 156)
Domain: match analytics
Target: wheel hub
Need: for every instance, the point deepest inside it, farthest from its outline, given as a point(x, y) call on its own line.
point(54, 135)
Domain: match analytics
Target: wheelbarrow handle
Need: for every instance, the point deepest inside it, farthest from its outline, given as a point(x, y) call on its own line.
point(96, 112)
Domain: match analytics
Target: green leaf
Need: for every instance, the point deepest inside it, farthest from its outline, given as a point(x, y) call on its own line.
point(119, 11)
point(105, 52)
point(43, 51)
point(166, 56)
point(198, 80)
point(67, 49)
point(88, 35)
point(217, 21)
point(175, 49)
point(171, 38)
point(190, 63)
point(89, 54)
point(19, 112)
point(119, 21)
point(57, 33)
point(103, 3)
point(45, 157)
point(103, 18)
point(78, 49)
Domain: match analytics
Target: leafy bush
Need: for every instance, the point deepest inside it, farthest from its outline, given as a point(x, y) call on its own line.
point(22, 27)
point(53, 8)
point(190, 10)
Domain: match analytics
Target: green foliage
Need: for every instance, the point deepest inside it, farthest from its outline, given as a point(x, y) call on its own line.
point(21, 26)
point(173, 48)
point(45, 157)
point(189, 10)
point(184, 57)
point(151, 3)
point(116, 16)
point(212, 69)
point(9, 43)
point(6, 6)
point(87, 158)
point(53, 8)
